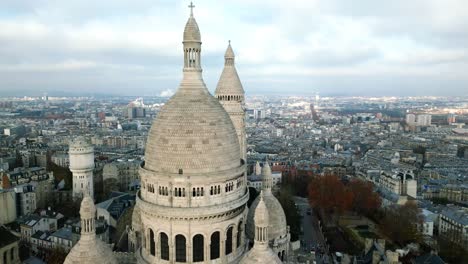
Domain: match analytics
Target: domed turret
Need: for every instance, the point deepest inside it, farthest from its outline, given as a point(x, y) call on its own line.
point(191, 31)
point(278, 232)
point(261, 253)
point(230, 93)
point(89, 249)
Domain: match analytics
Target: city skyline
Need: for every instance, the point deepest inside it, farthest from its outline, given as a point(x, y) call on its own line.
point(297, 48)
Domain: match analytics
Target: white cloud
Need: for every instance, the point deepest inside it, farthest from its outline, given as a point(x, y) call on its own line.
point(276, 40)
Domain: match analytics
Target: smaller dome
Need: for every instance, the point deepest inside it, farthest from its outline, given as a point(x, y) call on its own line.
point(191, 31)
point(87, 209)
point(276, 222)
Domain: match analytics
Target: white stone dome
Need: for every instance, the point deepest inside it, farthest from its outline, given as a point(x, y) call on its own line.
point(90, 251)
point(191, 31)
point(263, 256)
point(192, 134)
point(277, 218)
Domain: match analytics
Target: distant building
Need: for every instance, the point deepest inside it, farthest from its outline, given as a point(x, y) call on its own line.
point(8, 212)
point(451, 118)
point(120, 175)
point(81, 154)
point(399, 183)
point(453, 223)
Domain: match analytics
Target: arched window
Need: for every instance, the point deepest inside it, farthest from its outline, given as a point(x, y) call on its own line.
point(152, 243)
point(211, 190)
point(12, 254)
point(5, 259)
point(193, 192)
point(202, 192)
point(214, 245)
point(229, 241)
point(282, 255)
point(181, 252)
point(198, 248)
point(164, 241)
point(219, 189)
point(239, 234)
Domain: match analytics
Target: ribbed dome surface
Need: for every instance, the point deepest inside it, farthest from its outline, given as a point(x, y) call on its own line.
point(191, 31)
point(90, 251)
point(277, 219)
point(260, 255)
point(192, 134)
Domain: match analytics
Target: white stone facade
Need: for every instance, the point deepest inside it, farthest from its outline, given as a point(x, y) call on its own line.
point(81, 154)
point(192, 203)
point(230, 93)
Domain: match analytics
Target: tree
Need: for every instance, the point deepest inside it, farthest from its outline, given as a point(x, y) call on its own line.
point(56, 255)
point(293, 217)
point(329, 193)
point(401, 223)
point(365, 200)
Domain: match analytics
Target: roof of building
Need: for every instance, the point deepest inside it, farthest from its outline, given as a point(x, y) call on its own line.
point(117, 204)
point(457, 214)
point(6, 237)
point(428, 259)
point(64, 233)
point(229, 83)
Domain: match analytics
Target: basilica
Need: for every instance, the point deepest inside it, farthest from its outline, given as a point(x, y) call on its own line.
point(192, 205)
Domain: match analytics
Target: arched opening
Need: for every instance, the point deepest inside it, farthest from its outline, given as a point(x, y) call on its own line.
point(181, 252)
point(12, 254)
point(198, 248)
point(164, 241)
point(239, 234)
point(152, 243)
point(214, 245)
point(5, 257)
point(282, 255)
point(229, 241)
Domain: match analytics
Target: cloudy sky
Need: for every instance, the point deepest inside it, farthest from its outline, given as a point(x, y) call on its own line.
point(336, 47)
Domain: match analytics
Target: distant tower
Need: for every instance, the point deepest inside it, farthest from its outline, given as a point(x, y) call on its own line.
point(230, 93)
point(82, 165)
point(258, 169)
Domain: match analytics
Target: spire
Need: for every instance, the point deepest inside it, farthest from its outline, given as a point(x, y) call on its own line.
point(261, 223)
point(229, 56)
point(192, 44)
point(87, 214)
point(267, 178)
point(229, 86)
point(258, 169)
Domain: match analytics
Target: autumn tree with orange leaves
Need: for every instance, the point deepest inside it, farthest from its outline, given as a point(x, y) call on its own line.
point(365, 200)
point(329, 194)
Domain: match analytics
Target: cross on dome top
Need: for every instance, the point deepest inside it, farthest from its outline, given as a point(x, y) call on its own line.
point(191, 6)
